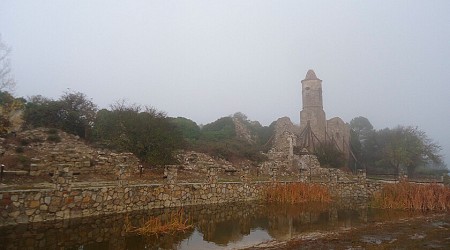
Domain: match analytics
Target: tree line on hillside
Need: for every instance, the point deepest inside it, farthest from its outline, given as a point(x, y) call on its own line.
point(154, 137)
point(144, 131)
point(391, 150)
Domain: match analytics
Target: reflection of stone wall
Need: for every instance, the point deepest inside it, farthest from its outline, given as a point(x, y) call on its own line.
point(106, 232)
point(220, 223)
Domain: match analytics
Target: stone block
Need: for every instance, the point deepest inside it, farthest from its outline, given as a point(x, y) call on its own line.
point(34, 204)
point(30, 211)
point(14, 197)
point(23, 218)
point(14, 214)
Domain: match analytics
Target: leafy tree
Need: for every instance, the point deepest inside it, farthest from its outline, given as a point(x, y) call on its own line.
point(73, 113)
point(402, 147)
point(77, 113)
point(221, 129)
point(388, 150)
point(360, 130)
point(219, 139)
point(189, 129)
point(149, 134)
point(409, 147)
point(362, 127)
point(42, 112)
point(6, 79)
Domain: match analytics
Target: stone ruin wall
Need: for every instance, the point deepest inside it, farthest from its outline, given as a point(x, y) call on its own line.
point(338, 130)
point(285, 161)
point(281, 154)
point(243, 132)
point(191, 160)
point(285, 136)
point(72, 152)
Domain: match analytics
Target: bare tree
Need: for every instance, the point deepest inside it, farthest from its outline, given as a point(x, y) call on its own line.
point(6, 79)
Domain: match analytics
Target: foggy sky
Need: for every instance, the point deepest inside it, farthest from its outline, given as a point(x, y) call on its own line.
point(388, 61)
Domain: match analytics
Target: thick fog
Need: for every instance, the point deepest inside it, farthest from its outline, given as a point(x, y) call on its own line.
point(388, 61)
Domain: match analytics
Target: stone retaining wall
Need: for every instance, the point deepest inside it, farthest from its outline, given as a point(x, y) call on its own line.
point(67, 202)
point(44, 205)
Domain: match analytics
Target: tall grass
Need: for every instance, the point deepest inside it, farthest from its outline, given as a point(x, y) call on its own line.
point(297, 193)
point(156, 226)
point(405, 195)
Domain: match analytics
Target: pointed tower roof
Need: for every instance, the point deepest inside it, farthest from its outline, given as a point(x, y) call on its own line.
point(310, 75)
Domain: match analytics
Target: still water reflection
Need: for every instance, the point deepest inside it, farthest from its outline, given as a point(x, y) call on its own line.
point(222, 226)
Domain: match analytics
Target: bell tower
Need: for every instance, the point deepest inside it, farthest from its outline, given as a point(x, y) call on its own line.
point(312, 111)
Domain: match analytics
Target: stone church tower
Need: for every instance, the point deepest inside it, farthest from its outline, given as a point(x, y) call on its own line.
point(312, 111)
point(314, 130)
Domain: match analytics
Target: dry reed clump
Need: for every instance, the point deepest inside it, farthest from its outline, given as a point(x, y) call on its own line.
point(404, 195)
point(157, 226)
point(297, 193)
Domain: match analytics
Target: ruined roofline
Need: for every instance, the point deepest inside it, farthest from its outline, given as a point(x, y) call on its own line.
point(311, 75)
point(336, 119)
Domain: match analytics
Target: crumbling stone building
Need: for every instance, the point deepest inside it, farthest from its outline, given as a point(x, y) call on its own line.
point(291, 141)
point(334, 130)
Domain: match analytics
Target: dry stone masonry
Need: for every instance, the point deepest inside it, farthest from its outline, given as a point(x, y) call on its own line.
point(68, 202)
point(54, 148)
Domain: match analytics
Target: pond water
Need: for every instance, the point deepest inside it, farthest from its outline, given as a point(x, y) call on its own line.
point(224, 226)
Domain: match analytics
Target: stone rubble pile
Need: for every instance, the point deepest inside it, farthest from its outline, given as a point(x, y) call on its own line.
point(191, 160)
point(70, 150)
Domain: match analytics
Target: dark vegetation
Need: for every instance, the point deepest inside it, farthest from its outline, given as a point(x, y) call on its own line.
point(154, 137)
point(144, 131)
point(393, 150)
point(219, 139)
point(329, 156)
